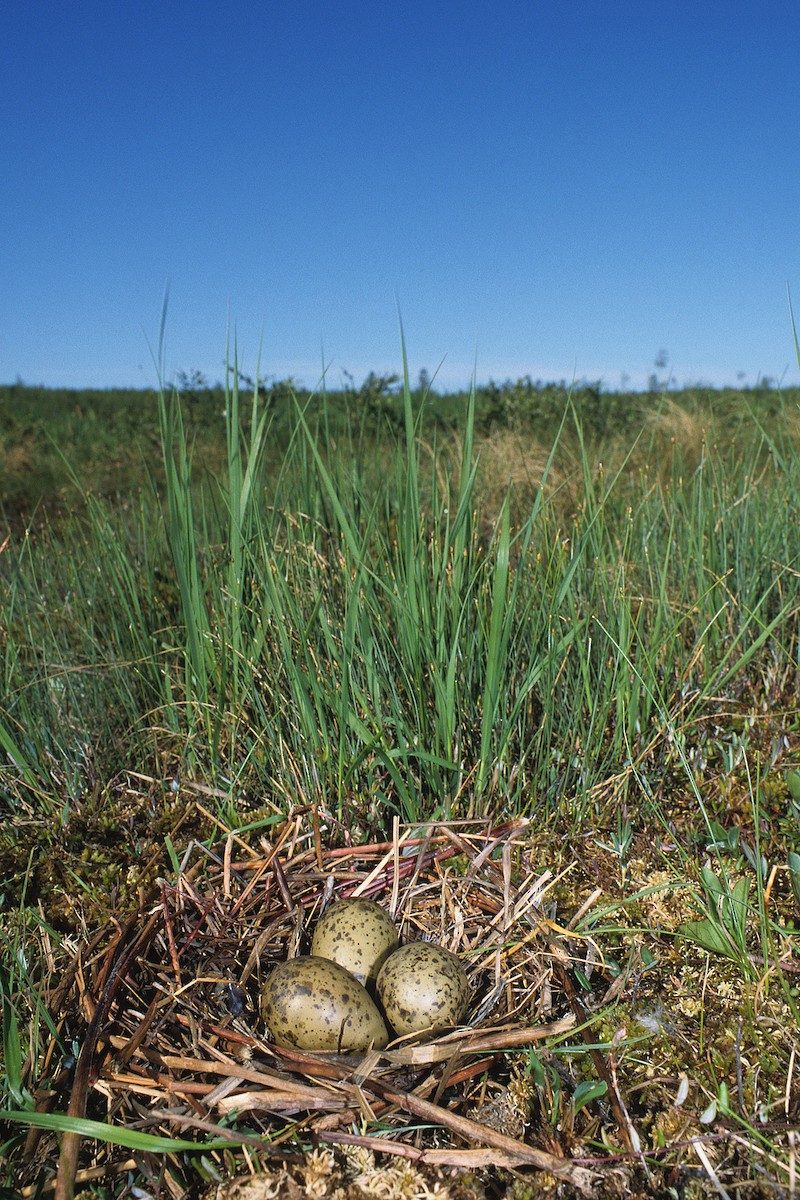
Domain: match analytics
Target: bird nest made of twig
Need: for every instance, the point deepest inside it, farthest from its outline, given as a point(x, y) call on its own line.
point(164, 1010)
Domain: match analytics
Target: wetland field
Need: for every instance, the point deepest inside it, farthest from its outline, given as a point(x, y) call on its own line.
point(521, 664)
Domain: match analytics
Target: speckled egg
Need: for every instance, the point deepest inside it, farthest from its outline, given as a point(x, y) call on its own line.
point(423, 988)
point(357, 934)
point(314, 1004)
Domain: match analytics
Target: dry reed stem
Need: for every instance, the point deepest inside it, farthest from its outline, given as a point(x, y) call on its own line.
point(169, 1017)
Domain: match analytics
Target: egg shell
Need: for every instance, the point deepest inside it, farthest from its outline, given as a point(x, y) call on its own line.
point(423, 987)
point(357, 934)
point(311, 1003)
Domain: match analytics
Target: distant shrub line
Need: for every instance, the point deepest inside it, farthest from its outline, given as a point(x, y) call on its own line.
point(112, 433)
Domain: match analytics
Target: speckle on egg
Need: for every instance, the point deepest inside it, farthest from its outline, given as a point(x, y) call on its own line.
point(357, 934)
point(314, 1004)
point(423, 988)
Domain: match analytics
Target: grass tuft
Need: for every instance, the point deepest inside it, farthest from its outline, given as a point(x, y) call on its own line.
point(370, 619)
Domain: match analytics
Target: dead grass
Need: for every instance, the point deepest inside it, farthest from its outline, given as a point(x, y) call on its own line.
point(577, 980)
point(672, 436)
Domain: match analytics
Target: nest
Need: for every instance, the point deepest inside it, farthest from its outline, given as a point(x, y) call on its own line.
point(165, 1009)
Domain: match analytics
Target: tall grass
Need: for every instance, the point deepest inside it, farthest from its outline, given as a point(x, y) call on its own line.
point(582, 630)
point(366, 630)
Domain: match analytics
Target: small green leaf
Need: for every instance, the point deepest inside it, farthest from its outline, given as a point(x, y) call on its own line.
point(581, 980)
point(722, 838)
point(710, 936)
point(555, 1087)
point(793, 784)
point(794, 873)
point(648, 959)
point(723, 1099)
point(727, 906)
point(586, 1092)
point(735, 910)
point(535, 1069)
point(716, 890)
point(173, 857)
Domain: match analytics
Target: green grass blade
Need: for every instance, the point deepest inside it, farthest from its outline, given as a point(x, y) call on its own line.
point(12, 1047)
point(112, 1135)
point(794, 327)
point(497, 646)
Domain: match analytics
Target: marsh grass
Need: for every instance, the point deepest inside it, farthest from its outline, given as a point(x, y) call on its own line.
point(413, 639)
point(597, 633)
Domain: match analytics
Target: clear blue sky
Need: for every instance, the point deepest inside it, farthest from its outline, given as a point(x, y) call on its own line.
point(560, 189)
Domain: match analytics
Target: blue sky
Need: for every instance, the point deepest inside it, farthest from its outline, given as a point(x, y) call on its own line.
point(545, 188)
